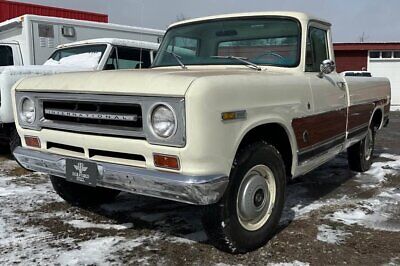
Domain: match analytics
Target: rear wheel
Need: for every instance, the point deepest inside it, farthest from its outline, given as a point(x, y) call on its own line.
point(247, 215)
point(81, 195)
point(360, 154)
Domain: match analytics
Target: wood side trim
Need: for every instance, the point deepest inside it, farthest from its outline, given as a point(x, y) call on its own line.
point(318, 133)
point(321, 148)
point(358, 131)
point(318, 128)
point(360, 114)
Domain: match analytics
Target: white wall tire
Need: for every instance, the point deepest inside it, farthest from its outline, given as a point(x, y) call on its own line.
point(244, 219)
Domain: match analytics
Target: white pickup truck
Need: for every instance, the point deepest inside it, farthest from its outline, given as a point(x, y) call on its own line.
point(89, 55)
point(233, 107)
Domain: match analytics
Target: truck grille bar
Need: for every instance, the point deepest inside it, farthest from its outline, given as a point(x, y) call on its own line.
point(91, 115)
point(128, 116)
point(106, 115)
point(124, 116)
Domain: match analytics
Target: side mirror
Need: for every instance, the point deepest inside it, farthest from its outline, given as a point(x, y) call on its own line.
point(327, 67)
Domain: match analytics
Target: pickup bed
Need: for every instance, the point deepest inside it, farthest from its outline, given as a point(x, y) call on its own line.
point(233, 107)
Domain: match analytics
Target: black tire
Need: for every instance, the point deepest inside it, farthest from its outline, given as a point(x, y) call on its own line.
point(360, 159)
point(15, 140)
point(81, 195)
point(221, 220)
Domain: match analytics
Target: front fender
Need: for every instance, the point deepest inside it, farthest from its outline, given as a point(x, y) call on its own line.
point(270, 119)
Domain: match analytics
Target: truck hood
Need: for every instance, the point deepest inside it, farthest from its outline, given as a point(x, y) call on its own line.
point(149, 82)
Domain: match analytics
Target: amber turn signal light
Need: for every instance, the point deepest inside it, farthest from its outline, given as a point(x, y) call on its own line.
point(32, 141)
point(166, 161)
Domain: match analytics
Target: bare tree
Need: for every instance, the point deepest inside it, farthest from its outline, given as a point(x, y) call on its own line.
point(181, 17)
point(363, 37)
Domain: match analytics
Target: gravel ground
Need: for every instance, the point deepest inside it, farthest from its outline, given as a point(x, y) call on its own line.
point(332, 216)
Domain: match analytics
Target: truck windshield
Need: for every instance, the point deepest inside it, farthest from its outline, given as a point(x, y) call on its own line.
point(85, 49)
point(262, 41)
point(6, 56)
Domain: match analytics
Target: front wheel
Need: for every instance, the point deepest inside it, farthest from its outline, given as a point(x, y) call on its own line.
point(15, 140)
point(81, 195)
point(360, 154)
point(247, 215)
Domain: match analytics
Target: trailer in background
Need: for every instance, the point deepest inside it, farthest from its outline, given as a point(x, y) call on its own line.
point(31, 39)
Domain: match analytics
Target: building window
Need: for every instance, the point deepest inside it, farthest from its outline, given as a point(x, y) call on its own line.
point(387, 54)
point(374, 54)
point(396, 54)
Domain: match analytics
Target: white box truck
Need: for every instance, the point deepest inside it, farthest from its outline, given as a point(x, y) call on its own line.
point(31, 39)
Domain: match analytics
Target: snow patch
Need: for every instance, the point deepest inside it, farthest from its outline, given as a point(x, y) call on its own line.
point(190, 239)
point(380, 170)
point(12, 189)
point(85, 60)
point(332, 236)
point(294, 263)
point(375, 213)
point(84, 225)
point(93, 252)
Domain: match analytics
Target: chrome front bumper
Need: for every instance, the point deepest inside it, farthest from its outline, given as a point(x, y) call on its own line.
point(199, 190)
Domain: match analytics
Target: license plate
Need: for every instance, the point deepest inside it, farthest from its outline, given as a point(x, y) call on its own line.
point(81, 172)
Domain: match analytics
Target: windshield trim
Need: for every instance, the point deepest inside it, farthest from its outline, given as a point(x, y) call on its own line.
point(299, 43)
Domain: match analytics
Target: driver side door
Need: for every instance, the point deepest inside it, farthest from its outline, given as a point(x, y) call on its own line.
point(324, 132)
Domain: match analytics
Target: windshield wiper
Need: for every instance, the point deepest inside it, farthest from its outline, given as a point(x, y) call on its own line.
point(178, 59)
point(240, 59)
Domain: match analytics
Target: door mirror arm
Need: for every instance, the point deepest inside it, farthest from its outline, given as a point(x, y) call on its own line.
point(327, 66)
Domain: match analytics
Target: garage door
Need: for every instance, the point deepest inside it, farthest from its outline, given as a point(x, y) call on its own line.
point(387, 65)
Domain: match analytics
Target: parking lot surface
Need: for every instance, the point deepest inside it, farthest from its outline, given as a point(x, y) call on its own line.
point(332, 216)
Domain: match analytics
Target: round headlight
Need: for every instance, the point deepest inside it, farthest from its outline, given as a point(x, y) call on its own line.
point(163, 121)
point(28, 112)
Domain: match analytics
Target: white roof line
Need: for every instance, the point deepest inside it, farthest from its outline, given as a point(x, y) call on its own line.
point(297, 15)
point(113, 41)
point(67, 21)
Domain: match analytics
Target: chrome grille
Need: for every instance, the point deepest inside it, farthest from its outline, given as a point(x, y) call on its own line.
point(108, 114)
point(124, 116)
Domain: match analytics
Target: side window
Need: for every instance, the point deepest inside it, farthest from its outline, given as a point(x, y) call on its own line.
point(112, 61)
point(128, 58)
point(6, 56)
point(317, 49)
point(131, 58)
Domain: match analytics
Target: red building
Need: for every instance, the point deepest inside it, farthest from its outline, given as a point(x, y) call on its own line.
point(354, 56)
point(381, 59)
point(10, 9)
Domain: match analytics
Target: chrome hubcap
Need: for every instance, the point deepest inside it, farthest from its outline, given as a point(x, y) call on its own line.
point(369, 145)
point(256, 197)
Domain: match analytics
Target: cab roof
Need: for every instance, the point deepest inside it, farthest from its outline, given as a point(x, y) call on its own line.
point(297, 15)
point(113, 41)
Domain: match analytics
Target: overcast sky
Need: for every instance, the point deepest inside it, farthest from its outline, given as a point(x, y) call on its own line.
point(378, 19)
